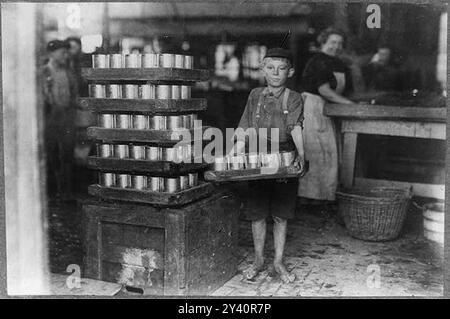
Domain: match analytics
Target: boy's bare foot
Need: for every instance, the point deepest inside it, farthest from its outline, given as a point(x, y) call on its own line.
point(285, 276)
point(253, 271)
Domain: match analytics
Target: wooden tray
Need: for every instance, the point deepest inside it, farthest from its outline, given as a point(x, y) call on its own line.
point(251, 174)
point(144, 106)
point(143, 166)
point(160, 137)
point(150, 197)
point(145, 74)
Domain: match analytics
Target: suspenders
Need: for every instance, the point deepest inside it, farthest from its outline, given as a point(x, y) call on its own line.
point(284, 106)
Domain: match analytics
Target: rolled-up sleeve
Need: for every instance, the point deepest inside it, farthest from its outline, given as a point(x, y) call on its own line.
point(295, 116)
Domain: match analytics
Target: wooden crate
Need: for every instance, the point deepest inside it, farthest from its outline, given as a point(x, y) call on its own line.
point(146, 196)
point(190, 250)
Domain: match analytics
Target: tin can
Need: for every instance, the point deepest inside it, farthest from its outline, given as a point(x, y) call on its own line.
point(155, 184)
point(182, 153)
point(137, 152)
point(185, 92)
point(139, 181)
point(221, 163)
point(123, 180)
point(188, 149)
point(287, 158)
point(121, 151)
point(169, 154)
point(123, 121)
point(113, 91)
point(100, 61)
point(176, 92)
point(194, 123)
point(115, 61)
point(140, 122)
point(188, 62)
point(179, 61)
point(186, 121)
point(105, 150)
point(147, 91)
point(172, 184)
point(149, 60)
point(174, 122)
point(166, 60)
point(152, 153)
point(97, 91)
point(193, 179)
point(271, 160)
point(106, 120)
point(253, 160)
point(130, 91)
point(132, 60)
point(184, 182)
point(107, 179)
point(163, 92)
point(158, 122)
point(237, 162)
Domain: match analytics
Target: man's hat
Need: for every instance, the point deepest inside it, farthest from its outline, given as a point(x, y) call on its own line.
point(279, 53)
point(57, 44)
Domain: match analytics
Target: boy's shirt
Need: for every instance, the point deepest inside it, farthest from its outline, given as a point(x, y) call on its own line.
point(265, 110)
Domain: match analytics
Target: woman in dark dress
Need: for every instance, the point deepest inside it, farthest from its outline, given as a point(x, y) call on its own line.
point(325, 79)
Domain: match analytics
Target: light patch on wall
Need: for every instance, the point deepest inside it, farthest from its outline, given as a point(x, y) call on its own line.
point(89, 43)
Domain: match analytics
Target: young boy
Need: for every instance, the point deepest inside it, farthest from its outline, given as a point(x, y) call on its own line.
point(273, 106)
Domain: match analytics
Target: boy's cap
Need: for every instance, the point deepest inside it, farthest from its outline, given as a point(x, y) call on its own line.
point(57, 44)
point(279, 53)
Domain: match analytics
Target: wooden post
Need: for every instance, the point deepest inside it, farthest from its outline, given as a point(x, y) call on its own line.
point(348, 158)
point(27, 270)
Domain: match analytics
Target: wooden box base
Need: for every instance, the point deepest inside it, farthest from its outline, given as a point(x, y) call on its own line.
point(190, 250)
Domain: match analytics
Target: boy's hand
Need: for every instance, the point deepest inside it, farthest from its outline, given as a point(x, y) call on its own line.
point(300, 163)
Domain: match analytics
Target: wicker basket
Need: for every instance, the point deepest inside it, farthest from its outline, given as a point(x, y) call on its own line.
point(374, 214)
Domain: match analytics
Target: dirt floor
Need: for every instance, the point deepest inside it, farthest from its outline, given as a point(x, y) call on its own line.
point(325, 260)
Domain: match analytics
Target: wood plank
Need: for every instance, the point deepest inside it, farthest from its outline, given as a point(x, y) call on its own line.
point(113, 212)
point(348, 158)
point(251, 174)
point(88, 287)
point(396, 128)
point(155, 198)
point(419, 189)
point(160, 137)
point(383, 112)
point(175, 253)
point(143, 106)
point(154, 75)
point(129, 235)
point(157, 168)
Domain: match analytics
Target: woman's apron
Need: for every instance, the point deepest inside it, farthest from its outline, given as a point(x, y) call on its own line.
point(320, 182)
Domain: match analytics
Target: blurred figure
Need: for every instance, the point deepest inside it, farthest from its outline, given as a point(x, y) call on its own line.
point(381, 74)
point(83, 118)
point(60, 90)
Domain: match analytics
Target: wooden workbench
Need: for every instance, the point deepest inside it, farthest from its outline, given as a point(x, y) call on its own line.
point(413, 122)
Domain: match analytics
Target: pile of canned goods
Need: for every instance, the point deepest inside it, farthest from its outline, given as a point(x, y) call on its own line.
point(135, 91)
point(147, 60)
point(182, 153)
point(153, 183)
point(146, 122)
point(254, 160)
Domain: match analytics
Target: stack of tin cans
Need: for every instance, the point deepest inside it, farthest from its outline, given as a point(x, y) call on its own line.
point(145, 122)
point(143, 91)
point(147, 60)
point(149, 183)
point(181, 153)
point(254, 160)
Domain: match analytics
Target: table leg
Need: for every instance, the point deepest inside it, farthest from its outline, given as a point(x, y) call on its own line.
point(348, 158)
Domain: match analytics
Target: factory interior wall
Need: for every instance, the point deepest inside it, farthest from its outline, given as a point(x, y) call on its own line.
point(23, 158)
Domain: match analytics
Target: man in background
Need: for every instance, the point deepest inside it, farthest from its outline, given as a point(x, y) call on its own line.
point(60, 91)
point(381, 74)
